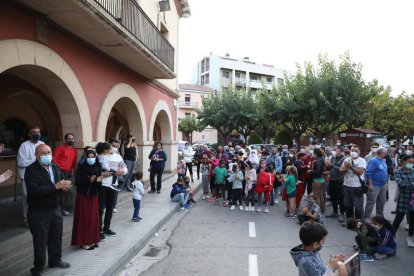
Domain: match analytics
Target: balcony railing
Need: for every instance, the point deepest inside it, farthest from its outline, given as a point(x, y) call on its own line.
point(130, 15)
point(184, 104)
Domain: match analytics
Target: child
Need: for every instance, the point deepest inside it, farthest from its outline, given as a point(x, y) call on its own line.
point(306, 255)
point(264, 186)
point(366, 238)
point(181, 166)
point(311, 212)
point(236, 177)
point(220, 174)
point(180, 193)
point(229, 184)
point(137, 193)
point(214, 162)
point(187, 180)
point(251, 178)
point(205, 177)
point(386, 241)
point(290, 184)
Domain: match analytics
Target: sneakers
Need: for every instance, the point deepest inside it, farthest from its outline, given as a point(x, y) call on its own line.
point(266, 210)
point(252, 209)
point(291, 216)
point(407, 227)
point(241, 208)
point(232, 207)
point(366, 258)
point(247, 209)
point(102, 236)
point(276, 201)
point(410, 242)
point(66, 213)
point(225, 204)
point(204, 197)
point(135, 219)
point(187, 206)
point(341, 218)
point(355, 247)
point(379, 257)
point(259, 209)
point(109, 232)
point(332, 215)
point(114, 210)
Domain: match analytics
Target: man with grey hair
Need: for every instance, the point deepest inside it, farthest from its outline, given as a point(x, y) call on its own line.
point(376, 176)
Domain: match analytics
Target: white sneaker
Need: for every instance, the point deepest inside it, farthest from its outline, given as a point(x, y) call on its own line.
point(247, 208)
point(410, 242)
point(207, 196)
point(266, 210)
point(232, 207)
point(114, 210)
point(204, 197)
point(241, 208)
point(259, 209)
point(276, 201)
point(407, 227)
point(252, 209)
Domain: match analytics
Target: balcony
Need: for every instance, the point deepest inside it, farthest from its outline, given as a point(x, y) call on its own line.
point(258, 84)
point(240, 82)
point(118, 28)
point(190, 105)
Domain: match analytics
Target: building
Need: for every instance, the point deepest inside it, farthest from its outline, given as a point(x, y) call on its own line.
point(362, 137)
point(217, 72)
point(97, 68)
point(190, 99)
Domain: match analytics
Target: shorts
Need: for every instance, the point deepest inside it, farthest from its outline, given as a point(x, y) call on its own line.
point(292, 194)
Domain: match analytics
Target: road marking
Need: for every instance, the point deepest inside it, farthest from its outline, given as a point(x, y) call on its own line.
point(253, 268)
point(252, 230)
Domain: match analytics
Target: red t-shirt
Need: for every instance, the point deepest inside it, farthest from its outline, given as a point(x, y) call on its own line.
point(65, 157)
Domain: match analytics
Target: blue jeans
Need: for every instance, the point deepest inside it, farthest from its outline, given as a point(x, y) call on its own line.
point(181, 197)
point(137, 206)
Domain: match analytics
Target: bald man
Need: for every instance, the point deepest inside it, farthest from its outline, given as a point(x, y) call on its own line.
point(45, 182)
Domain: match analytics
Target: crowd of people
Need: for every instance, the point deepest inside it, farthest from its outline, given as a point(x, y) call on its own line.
point(338, 176)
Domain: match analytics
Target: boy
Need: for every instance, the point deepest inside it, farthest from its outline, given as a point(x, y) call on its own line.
point(311, 212)
point(187, 180)
point(306, 256)
point(366, 238)
point(220, 174)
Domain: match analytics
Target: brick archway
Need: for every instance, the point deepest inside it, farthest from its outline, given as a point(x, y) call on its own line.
point(161, 115)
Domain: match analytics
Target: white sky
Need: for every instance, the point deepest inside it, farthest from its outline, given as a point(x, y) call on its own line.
point(378, 34)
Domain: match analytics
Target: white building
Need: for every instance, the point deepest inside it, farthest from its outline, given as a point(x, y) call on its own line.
point(217, 72)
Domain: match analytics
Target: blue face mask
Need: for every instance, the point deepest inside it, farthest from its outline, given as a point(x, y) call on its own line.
point(91, 160)
point(409, 165)
point(45, 160)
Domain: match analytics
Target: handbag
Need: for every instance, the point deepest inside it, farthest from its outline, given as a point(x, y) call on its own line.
point(364, 187)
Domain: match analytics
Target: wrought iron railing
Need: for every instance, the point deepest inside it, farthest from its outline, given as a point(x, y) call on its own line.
point(130, 15)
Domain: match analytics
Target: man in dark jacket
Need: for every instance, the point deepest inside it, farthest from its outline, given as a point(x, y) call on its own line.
point(44, 182)
point(336, 181)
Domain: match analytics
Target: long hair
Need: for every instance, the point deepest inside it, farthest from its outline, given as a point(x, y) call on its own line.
point(293, 171)
point(386, 223)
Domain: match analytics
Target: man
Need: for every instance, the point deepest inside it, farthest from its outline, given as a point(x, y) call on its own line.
point(65, 156)
point(25, 157)
point(373, 152)
point(377, 177)
point(353, 196)
point(284, 155)
point(108, 192)
point(275, 160)
point(45, 181)
point(336, 181)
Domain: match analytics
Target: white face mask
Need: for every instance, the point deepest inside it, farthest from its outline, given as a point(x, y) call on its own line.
point(291, 155)
point(333, 154)
point(409, 152)
point(374, 150)
point(354, 154)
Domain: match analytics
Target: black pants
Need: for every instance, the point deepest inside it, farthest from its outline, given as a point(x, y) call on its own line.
point(336, 196)
point(189, 166)
point(198, 169)
point(106, 201)
point(236, 196)
point(366, 244)
point(156, 172)
point(353, 202)
point(397, 221)
point(308, 184)
point(46, 226)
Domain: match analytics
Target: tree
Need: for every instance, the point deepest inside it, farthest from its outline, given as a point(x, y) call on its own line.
point(189, 124)
point(265, 103)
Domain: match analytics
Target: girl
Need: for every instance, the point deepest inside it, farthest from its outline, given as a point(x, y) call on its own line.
point(236, 177)
point(214, 162)
point(264, 186)
point(317, 175)
point(290, 184)
point(205, 176)
point(387, 246)
point(181, 166)
point(137, 193)
point(251, 178)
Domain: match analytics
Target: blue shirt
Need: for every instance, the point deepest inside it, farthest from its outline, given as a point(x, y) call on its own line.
point(377, 171)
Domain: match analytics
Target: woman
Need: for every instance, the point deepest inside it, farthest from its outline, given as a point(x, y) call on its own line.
point(130, 157)
point(317, 175)
point(188, 153)
point(405, 181)
point(157, 165)
point(85, 232)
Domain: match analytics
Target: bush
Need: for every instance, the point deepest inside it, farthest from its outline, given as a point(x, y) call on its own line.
point(283, 137)
point(254, 138)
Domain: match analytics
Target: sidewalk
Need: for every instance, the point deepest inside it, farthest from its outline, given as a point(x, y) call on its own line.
point(16, 255)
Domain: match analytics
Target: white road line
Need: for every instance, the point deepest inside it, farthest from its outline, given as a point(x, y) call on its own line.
point(252, 230)
point(253, 268)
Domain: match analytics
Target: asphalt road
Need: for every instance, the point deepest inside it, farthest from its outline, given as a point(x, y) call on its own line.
point(213, 240)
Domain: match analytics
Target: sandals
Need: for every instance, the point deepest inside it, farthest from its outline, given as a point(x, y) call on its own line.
point(87, 247)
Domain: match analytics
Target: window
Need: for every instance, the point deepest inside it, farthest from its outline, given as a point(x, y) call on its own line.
point(202, 80)
point(207, 79)
point(238, 75)
point(253, 77)
point(279, 80)
point(187, 114)
point(207, 64)
point(269, 79)
point(226, 74)
point(202, 66)
point(187, 98)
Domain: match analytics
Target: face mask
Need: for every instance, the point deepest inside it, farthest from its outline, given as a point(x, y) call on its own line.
point(374, 150)
point(285, 150)
point(35, 137)
point(354, 154)
point(91, 160)
point(409, 165)
point(46, 159)
point(409, 152)
point(114, 150)
point(399, 151)
point(319, 249)
point(333, 154)
point(70, 143)
point(311, 152)
point(291, 155)
point(377, 226)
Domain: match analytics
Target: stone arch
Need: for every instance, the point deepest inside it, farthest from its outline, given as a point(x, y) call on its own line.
point(161, 112)
point(47, 70)
point(125, 95)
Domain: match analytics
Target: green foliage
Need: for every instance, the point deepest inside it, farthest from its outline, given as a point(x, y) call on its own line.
point(189, 124)
point(284, 138)
point(254, 138)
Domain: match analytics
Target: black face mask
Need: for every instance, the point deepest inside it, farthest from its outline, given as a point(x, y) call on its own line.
point(70, 143)
point(35, 137)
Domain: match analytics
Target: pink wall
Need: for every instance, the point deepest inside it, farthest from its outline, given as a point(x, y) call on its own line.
point(96, 73)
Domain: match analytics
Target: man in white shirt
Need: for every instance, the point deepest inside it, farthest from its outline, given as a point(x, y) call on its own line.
point(25, 157)
point(108, 192)
point(188, 153)
point(353, 196)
